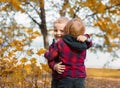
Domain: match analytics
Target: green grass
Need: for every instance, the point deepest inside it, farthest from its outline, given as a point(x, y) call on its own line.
point(109, 73)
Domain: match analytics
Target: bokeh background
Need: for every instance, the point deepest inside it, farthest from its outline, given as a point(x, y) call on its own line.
point(26, 31)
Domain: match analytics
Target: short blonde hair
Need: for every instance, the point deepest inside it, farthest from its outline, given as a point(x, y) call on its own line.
point(75, 27)
point(61, 20)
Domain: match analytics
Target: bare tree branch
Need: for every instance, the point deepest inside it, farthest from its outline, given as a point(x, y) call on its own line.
point(32, 18)
point(35, 9)
point(76, 12)
point(105, 9)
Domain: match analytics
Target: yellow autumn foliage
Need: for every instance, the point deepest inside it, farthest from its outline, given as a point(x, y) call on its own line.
point(29, 30)
point(32, 37)
point(4, 48)
point(16, 70)
point(28, 68)
point(115, 1)
point(23, 60)
point(1, 41)
point(45, 67)
point(19, 48)
point(37, 33)
point(11, 54)
point(28, 52)
point(41, 51)
point(33, 60)
point(100, 8)
point(23, 75)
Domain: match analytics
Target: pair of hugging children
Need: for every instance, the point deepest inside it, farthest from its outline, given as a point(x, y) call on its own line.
point(67, 53)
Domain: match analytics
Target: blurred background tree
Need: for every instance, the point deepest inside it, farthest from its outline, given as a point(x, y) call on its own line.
point(15, 39)
point(102, 15)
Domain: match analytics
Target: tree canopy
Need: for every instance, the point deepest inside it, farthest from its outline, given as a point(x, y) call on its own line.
point(102, 15)
point(16, 39)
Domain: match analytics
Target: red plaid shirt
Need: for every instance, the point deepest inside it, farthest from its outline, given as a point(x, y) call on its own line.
point(72, 59)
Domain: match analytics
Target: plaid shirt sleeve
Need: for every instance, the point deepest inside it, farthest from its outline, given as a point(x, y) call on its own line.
point(51, 64)
point(89, 41)
point(51, 54)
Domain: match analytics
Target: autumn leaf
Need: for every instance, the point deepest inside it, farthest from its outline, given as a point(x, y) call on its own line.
point(28, 52)
point(115, 1)
point(19, 48)
point(100, 8)
point(29, 30)
point(1, 41)
point(23, 60)
point(12, 44)
point(37, 33)
point(12, 53)
point(33, 60)
point(32, 37)
point(41, 51)
point(4, 48)
point(28, 68)
point(45, 67)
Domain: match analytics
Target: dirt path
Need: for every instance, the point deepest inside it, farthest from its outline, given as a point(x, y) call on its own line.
point(99, 82)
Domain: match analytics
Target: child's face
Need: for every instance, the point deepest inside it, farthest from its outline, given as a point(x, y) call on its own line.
point(59, 30)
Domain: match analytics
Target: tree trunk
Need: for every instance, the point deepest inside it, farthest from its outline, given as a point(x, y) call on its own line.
point(43, 26)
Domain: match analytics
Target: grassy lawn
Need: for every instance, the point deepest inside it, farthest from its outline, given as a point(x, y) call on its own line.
point(107, 73)
point(102, 78)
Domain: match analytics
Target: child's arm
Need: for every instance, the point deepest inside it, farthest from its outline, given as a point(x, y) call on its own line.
point(85, 38)
point(52, 53)
point(88, 41)
point(82, 38)
point(78, 45)
point(57, 66)
point(51, 64)
point(51, 56)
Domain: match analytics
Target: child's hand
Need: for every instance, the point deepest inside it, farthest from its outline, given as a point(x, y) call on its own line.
point(81, 38)
point(59, 67)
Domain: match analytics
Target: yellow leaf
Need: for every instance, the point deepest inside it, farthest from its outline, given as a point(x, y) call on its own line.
point(113, 44)
point(95, 23)
point(4, 48)
point(32, 37)
point(12, 44)
point(29, 30)
point(28, 68)
point(23, 60)
point(28, 52)
point(33, 60)
point(37, 32)
point(41, 51)
point(11, 54)
point(109, 49)
point(100, 8)
point(16, 4)
point(115, 2)
point(45, 67)
point(19, 48)
point(1, 41)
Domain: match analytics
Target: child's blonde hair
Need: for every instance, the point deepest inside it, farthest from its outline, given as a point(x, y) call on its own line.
point(61, 20)
point(75, 27)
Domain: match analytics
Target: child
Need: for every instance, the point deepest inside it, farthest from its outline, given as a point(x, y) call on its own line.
point(59, 25)
point(60, 69)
